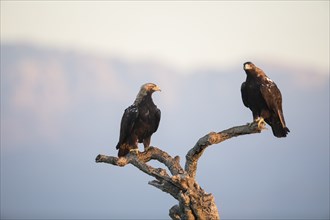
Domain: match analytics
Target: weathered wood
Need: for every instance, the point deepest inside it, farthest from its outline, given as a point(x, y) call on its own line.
point(194, 202)
point(215, 138)
point(152, 153)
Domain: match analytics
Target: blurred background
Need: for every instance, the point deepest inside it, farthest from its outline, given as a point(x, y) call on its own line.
point(69, 69)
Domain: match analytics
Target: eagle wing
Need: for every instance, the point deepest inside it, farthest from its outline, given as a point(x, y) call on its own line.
point(127, 123)
point(244, 94)
point(273, 99)
point(157, 119)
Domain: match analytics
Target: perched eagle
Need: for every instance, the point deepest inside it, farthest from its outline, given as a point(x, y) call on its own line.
point(261, 95)
point(139, 121)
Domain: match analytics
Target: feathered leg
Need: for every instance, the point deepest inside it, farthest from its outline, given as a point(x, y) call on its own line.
point(135, 148)
point(146, 143)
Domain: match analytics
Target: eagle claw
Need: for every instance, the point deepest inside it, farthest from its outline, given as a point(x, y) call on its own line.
point(134, 151)
point(261, 123)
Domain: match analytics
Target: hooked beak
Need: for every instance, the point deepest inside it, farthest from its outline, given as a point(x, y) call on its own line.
point(156, 88)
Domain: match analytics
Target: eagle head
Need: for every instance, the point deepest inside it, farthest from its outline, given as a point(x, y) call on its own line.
point(149, 88)
point(248, 66)
point(146, 89)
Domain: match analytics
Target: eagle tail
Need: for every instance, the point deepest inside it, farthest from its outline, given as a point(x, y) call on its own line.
point(279, 130)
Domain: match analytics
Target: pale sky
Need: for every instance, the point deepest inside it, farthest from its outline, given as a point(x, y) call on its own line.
point(185, 34)
point(57, 115)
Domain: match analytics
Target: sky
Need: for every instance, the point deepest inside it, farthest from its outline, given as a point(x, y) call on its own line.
point(70, 68)
point(185, 34)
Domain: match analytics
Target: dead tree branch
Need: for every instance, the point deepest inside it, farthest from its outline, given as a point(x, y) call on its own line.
point(194, 202)
point(215, 138)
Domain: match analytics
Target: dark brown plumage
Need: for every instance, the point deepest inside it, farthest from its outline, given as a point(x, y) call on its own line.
point(139, 121)
point(261, 95)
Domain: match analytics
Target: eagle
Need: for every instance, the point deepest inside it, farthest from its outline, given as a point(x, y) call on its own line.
point(262, 96)
point(139, 121)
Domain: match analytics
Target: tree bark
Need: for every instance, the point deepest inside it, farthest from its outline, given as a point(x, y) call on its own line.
point(194, 202)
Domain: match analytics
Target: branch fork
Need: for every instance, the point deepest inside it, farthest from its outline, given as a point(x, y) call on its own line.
point(194, 202)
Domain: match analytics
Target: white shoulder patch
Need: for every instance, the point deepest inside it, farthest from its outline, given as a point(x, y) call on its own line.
point(269, 80)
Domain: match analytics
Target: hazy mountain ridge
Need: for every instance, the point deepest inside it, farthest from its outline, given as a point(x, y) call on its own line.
point(42, 80)
point(117, 79)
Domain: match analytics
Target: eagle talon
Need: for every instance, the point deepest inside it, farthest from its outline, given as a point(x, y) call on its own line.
point(261, 123)
point(134, 151)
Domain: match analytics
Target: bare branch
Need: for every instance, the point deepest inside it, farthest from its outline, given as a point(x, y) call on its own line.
point(175, 213)
point(166, 187)
point(152, 153)
point(215, 138)
point(194, 202)
point(164, 181)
